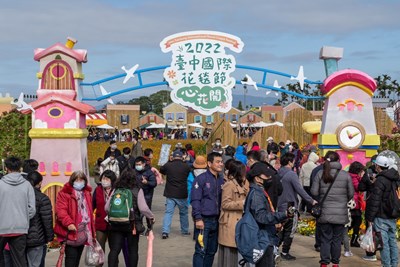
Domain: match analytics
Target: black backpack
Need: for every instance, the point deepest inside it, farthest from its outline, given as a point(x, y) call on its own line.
point(394, 200)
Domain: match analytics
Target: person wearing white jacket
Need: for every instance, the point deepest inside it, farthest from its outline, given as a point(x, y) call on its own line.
point(110, 163)
point(305, 174)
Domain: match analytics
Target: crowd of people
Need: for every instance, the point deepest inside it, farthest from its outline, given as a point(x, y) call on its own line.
point(276, 185)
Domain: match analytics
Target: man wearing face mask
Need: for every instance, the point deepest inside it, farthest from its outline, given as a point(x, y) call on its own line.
point(260, 177)
point(146, 179)
point(112, 149)
point(125, 160)
point(291, 189)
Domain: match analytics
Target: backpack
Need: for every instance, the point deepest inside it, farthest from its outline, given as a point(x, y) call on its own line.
point(250, 241)
point(394, 200)
point(120, 207)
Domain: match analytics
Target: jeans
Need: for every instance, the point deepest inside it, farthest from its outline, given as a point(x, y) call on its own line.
point(43, 262)
point(73, 255)
point(345, 240)
point(331, 239)
point(17, 246)
point(387, 227)
point(204, 256)
point(116, 239)
point(34, 256)
point(169, 212)
point(317, 235)
point(7, 258)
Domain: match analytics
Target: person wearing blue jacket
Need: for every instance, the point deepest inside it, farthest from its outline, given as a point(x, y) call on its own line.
point(241, 153)
point(263, 211)
point(206, 205)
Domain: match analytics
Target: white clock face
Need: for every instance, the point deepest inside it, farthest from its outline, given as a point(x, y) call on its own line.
point(350, 137)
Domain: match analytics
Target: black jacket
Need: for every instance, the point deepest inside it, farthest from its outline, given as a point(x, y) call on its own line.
point(41, 225)
point(378, 206)
point(148, 189)
point(124, 163)
point(177, 173)
point(108, 153)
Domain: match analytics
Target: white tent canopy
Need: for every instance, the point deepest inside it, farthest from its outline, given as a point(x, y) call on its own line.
point(156, 126)
point(105, 126)
point(196, 125)
point(262, 124)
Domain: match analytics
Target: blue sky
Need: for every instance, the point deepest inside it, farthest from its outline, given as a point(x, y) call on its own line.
point(278, 35)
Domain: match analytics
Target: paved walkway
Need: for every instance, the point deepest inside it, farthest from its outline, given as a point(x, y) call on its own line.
point(177, 250)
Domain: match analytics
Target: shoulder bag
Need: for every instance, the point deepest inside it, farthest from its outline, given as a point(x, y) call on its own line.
point(316, 210)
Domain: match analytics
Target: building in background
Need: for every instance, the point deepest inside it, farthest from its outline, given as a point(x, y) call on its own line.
point(123, 116)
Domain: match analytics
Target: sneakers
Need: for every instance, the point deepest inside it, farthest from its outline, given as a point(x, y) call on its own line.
point(187, 233)
point(287, 257)
point(164, 236)
point(348, 254)
point(369, 258)
point(317, 249)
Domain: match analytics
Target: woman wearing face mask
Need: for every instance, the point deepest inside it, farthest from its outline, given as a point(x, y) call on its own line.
point(234, 193)
point(262, 209)
point(74, 215)
point(100, 197)
point(110, 163)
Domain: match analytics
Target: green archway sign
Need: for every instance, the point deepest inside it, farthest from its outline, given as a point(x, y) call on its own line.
point(200, 71)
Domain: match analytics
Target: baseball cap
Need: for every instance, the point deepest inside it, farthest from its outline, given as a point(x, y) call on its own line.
point(270, 138)
point(383, 161)
point(177, 154)
point(260, 168)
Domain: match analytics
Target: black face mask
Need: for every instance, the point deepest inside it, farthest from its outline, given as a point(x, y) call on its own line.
point(267, 183)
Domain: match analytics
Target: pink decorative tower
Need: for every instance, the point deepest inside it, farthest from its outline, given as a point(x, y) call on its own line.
point(58, 124)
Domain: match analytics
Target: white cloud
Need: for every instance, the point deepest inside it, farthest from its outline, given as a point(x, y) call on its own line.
point(40, 124)
point(70, 125)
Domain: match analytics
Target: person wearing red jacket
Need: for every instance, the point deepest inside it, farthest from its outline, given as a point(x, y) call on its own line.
point(74, 213)
point(356, 171)
point(100, 197)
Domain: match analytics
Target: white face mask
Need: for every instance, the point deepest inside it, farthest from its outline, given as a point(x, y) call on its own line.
point(139, 167)
point(79, 185)
point(105, 184)
point(126, 156)
point(114, 147)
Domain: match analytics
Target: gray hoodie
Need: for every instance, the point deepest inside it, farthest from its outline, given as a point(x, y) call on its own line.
point(17, 204)
point(291, 188)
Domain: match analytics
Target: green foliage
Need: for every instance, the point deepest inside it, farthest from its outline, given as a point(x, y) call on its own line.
point(308, 91)
point(390, 142)
point(14, 139)
point(387, 88)
point(154, 102)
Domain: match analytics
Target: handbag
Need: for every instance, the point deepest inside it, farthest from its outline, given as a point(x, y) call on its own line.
point(94, 254)
point(81, 236)
point(316, 210)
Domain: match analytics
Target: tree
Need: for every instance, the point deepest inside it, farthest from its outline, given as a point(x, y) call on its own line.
point(14, 139)
point(387, 88)
point(154, 102)
point(240, 107)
